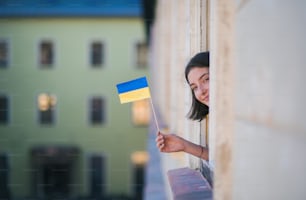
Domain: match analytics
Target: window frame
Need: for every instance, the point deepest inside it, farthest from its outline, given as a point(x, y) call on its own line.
point(55, 110)
point(134, 55)
point(8, 57)
point(104, 53)
point(8, 160)
point(134, 166)
point(132, 114)
point(54, 57)
point(87, 176)
point(9, 108)
point(104, 110)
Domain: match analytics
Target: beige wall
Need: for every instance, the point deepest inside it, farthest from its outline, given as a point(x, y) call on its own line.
point(270, 129)
point(257, 124)
point(258, 99)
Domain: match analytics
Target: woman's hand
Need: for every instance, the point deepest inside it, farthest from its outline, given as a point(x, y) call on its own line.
point(172, 143)
point(169, 143)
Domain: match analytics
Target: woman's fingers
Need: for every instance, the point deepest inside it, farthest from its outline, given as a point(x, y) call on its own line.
point(160, 144)
point(160, 141)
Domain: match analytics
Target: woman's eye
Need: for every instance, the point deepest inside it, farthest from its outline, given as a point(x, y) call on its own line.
point(205, 79)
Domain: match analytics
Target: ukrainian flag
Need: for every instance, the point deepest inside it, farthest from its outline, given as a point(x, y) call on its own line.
point(133, 90)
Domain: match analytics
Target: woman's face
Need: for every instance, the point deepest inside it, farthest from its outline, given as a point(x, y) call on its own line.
point(198, 78)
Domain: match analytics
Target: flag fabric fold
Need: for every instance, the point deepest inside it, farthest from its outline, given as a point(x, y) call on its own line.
point(133, 90)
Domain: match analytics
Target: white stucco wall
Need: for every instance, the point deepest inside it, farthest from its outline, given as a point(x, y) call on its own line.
point(270, 130)
point(257, 123)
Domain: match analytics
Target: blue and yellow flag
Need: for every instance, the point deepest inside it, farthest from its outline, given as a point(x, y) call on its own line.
point(133, 90)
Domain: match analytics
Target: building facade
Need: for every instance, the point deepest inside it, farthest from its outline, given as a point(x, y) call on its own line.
point(63, 131)
point(256, 130)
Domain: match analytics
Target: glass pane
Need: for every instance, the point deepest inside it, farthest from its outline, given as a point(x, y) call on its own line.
point(4, 177)
point(97, 176)
point(46, 53)
point(46, 107)
point(96, 54)
point(97, 115)
point(4, 110)
point(3, 54)
point(141, 55)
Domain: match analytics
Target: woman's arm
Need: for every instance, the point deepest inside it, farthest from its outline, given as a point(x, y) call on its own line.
point(196, 150)
point(173, 143)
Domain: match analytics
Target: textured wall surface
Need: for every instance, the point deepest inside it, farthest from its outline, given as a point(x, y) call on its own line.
point(270, 129)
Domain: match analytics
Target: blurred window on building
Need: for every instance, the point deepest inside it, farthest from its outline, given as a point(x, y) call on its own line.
point(46, 107)
point(97, 176)
point(97, 54)
point(4, 109)
point(139, 160)
point(97, 110)
point(141, 112)
point(4, 53)
point(141, 55)
point(4, 177)
point(46, 54)
point(54, 171)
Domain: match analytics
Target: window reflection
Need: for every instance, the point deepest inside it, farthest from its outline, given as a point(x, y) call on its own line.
point(141, 112)
point(46, 106)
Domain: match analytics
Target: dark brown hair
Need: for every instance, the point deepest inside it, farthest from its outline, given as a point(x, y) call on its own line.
point(198, 110)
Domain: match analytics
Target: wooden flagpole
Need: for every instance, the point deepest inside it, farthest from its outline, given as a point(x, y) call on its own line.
point(154, 116)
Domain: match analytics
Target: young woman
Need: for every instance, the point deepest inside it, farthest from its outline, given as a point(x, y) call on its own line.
point(197, 76)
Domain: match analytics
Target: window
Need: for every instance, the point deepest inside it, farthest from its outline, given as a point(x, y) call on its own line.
point(205, 168)
point(46, 106)
point(96, 54)
point(46, 54)
point(97, 110)
point(4, 176)
point(4, 110)
point(141, 55)
point(4, 54)
point(139, 160)
point(97, 176)
point(141, 112)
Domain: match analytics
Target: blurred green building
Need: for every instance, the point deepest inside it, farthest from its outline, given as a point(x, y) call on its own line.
point(63, 132)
